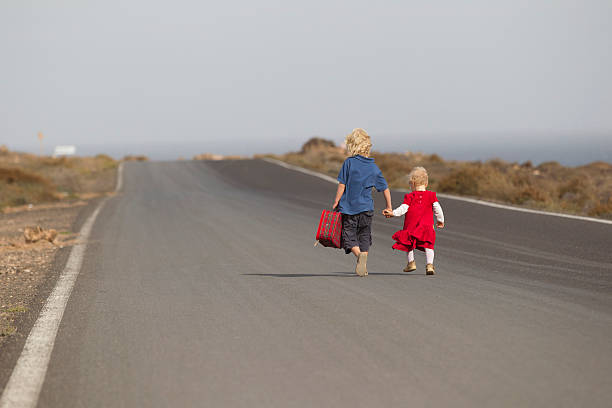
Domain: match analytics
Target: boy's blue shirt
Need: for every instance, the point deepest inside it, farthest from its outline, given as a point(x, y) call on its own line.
point(359, 174)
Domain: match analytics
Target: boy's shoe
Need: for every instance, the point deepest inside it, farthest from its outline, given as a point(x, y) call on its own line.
point(410, 267)
point(361, 268)
point(429, 269)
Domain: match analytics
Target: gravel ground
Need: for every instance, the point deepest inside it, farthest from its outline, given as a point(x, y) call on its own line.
point(25, 267)
point(27, 270)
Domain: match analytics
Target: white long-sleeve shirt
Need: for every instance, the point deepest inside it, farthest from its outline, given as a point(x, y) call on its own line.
point(437, 209)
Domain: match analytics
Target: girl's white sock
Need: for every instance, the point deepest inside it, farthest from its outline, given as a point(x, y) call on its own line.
point(411, 256)
point(429, 255)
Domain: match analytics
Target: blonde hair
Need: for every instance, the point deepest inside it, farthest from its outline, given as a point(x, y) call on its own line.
point(358, 142)
point(418, 176)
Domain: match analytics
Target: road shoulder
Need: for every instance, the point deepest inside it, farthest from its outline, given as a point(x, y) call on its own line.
point(35, 270)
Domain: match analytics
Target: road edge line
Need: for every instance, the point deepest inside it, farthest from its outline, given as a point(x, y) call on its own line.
point(300, 169)
point(447, 196)
point(23, 387)
point(119, 184)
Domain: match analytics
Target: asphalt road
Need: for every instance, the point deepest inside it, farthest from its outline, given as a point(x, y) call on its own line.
point(201, 287)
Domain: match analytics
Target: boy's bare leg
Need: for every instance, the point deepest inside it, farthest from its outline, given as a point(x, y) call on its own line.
point(361, 267)
point(356, 251)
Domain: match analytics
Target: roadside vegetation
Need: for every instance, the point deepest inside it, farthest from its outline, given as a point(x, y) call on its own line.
point(30, 179)
point(582, 190)
point(132, 157)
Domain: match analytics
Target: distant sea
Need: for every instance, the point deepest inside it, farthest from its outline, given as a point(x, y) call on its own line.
point(566, 149)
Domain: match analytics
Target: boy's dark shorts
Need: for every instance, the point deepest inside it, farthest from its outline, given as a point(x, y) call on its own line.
point(357, 231)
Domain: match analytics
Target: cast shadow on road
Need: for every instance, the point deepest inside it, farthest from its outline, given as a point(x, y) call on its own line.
point(333, 275)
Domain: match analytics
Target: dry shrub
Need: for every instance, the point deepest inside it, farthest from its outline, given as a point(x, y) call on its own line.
point(578, 195)
point(325, 161)
point(318, 154)
point(495, 180)
point(56, 161)
point(573, 188)
point(550, 166)
point(498, 164)
point(208, 156)
point(434, 158)
point(529, 194)
point(465, 181)
point(105, 161)
point(131, 157)
point(28, 178)
point(552, 171)
point(602, 209)
point(550, 186)
point(35, 234)
point(395, 167)
point(82, 174)
point(19, 187)
point(317, 143)
point(15, 175)
point(104, 157)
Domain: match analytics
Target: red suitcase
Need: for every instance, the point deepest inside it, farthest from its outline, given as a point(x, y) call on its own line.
point(329, 233)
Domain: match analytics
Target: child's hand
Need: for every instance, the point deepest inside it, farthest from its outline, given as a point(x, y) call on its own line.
point(387, 212)
point(335, 205)
point(440, 224)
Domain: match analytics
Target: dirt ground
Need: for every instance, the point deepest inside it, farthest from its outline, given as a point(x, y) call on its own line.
point(24, 267)
point(47, 192)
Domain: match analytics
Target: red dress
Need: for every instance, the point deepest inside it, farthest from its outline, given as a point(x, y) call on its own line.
point(418, 232)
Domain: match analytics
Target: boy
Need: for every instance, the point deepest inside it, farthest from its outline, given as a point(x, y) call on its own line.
point(358, 175)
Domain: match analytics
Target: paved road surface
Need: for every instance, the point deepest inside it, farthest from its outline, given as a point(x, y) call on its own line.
point(200, 287)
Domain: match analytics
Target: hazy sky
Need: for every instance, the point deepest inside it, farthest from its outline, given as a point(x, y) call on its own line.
point(257, 76)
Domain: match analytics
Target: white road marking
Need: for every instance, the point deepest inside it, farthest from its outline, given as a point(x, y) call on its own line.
point(448, 196)
point(23, 388)
point(301, 170)
point(119, 178)
point(526, 210)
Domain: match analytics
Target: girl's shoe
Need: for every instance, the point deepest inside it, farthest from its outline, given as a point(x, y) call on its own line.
point(361, 268)
point(410, 267)
point(429, 269)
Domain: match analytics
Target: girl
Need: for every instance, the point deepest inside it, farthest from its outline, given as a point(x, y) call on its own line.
point(358, 175)
point(418, 232)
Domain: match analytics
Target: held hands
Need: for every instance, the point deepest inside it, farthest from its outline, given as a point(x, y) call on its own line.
point(388, 212)
point(439, 224)
point(334, 205)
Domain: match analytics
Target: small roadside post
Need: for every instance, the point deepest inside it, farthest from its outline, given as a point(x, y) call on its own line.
point(40, 139)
